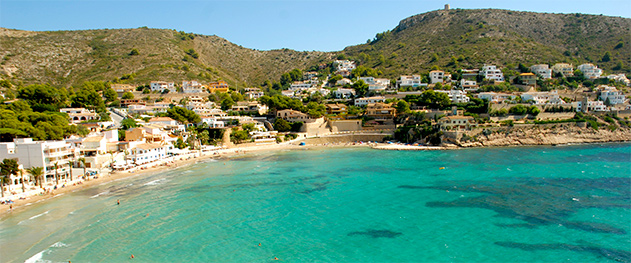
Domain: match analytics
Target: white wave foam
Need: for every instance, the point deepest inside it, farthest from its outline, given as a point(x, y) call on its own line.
point(36, 216)
point(99, 194)
point(59, 244)
point(37, 258)
point(155, 182)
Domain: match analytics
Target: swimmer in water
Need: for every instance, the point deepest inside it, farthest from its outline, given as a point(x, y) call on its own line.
point(132, 256)
point(118, 201)
point(275, 258)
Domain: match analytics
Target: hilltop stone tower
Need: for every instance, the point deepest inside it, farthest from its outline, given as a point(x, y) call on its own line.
point(447, 7)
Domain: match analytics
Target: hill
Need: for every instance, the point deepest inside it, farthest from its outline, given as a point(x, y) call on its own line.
point(71, 57)
point(448, 39)
point(457, 38)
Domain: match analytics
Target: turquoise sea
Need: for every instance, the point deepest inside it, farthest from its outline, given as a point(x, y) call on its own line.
point(527, 204)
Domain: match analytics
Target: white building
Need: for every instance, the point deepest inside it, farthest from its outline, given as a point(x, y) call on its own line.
point(94, 150)
point(192, 87)
point(343, 82)
point(163, 121)
point(456, 96)
point(436, 76)
point(46, 154)
point(590, 71)
point(264, 136)
point(551, 97)
point(542, 70)
point(344, 67)
point(567, 70)
point(147, 152)
point(342, 93)
point(468, 85)
point(491, 72)
point(300, 86)
point(591, 106)
point(78, 115)
point(254, 94)
point(162, 85)
point(375, 84)
point(366, 101)
point(612, 94)
point(496, 97)
point(413, 81)
point(212, 122)
point(620, 78)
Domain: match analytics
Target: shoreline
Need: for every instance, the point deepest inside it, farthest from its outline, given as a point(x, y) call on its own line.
point(21, 205)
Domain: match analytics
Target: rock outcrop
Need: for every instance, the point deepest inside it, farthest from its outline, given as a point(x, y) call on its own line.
point(511, 136)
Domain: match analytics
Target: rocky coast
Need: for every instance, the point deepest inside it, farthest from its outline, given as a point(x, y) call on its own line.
point(542, 135)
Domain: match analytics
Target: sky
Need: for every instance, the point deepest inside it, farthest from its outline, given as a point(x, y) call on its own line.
point(302, 25)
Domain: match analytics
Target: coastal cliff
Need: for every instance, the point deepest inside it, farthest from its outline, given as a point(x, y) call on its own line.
point(536, 135)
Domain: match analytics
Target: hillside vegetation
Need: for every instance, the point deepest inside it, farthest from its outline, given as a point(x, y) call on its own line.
point(139, 56)
point(448, 39)
point(453, 39)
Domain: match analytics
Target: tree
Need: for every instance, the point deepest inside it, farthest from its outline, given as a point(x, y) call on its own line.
point(606, 57)
point(360, 87)
point(82, 161)
point(333, 80)
point(56, 166)
point(204, 137)
point(110, 95)
point(315, 110)
point(402, 107)
point(191, 52)
point(8, 167)
point(128, 96)
point(238, 136)
point(128, 123)
point(88, 96)
point(134, 52)
point(179, 143)
point(44, 97)
point(22, 180)
point(281, 125)
point(434, 99)
point(36, 173)
point(227, 103)
point(533, 110)
point(518, 110)
point(183, 115)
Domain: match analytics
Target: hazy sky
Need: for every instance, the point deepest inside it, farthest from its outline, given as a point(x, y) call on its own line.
point(296, 24)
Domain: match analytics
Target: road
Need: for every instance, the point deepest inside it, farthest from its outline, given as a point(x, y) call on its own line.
point(115, 118)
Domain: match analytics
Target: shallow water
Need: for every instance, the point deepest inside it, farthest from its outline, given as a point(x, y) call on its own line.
point(531, 204)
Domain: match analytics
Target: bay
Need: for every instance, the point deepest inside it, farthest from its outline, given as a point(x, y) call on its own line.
point(517, 204)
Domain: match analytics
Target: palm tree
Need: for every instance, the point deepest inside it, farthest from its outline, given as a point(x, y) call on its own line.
point(70, 167)
point(56, 165)
point(82, 161)
point(8, 167)
point(37, 173)
point(22, 179)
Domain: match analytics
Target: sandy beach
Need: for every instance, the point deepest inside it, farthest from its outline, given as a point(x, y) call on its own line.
point(19, 205)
